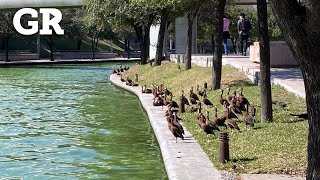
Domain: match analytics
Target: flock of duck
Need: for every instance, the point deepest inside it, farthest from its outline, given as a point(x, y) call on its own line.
point(233, 105)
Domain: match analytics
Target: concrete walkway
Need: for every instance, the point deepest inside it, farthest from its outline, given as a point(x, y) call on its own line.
point(65, 61)
point(184, 160)
point(289, 78)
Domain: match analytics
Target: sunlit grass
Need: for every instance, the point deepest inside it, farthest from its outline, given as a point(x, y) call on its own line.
point(277, 147)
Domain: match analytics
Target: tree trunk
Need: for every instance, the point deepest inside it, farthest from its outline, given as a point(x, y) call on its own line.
point(7, 49)
point(111, 46)
point(144, 52)
point(162, 31)
point(303, 40)
point(51, 47)
point(129, 49)
point(146, 40)
point(92, 48)
point(3, 43)
point(94, 44)
point(139, 31)
point(217, 50)
point(79, 42)
point(189, 42)
point(265, 75)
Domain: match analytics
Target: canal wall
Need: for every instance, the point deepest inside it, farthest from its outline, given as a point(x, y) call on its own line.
point(184, 160)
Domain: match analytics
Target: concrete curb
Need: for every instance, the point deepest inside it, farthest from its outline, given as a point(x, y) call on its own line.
point(184, 160)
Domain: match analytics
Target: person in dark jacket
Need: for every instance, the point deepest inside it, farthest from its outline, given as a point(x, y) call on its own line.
point(244, 28)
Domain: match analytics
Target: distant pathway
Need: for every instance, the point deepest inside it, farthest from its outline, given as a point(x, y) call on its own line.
point(289, 78)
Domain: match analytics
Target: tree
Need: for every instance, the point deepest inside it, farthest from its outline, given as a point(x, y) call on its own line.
point(166, 10)
point(217, 39)
point(192, 8)
point(298, 24)
point(124, 13)
point(76, 28)
point(7, 30)
point(49, 39)
point(265, 75)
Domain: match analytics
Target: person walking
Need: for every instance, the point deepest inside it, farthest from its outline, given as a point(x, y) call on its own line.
point(244, 28)
point(226, 34)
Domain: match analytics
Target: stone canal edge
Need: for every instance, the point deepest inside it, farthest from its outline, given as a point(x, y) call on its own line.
point(183, 160)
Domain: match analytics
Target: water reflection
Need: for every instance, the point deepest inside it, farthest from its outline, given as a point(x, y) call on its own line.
point(70, 122)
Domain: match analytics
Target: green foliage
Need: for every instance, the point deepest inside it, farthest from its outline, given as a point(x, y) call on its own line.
point(6, 21)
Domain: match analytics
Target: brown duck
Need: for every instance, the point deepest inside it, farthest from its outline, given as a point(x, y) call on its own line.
point(247, 118)
point(205, 100)
point(222, 100)
point(175, 129)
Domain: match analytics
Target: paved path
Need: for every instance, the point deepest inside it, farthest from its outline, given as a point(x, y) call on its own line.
point(64, 61)
point(290, 78)
point(184, 160)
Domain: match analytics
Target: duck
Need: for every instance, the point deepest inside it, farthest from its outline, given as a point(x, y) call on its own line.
point(146, 90)
point(206, 101)
point(211, 123)
point(184, 99)
point(205, 85)
point(200, 93)
point(175, 130)
point(247, 118)
point(205, 126)
point(228, 113)
point(193, 95)
point(176, 122)
point(173, 105)
point(219, 121)
point(222, 100)
point(129, 80)
point(121, 79)
point(232, 124)
point(166, 101)
point(235, 109)
point(243, 101)
point(157, 101)
point(230, 96)
point(167, 92)
point(199, 111)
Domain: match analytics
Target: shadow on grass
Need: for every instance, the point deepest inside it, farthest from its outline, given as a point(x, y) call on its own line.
point(296, 120)
point(244, 159)
point(256, 128)
point(238, 83)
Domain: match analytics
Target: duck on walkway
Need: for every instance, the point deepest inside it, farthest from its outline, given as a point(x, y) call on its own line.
point(175, 129)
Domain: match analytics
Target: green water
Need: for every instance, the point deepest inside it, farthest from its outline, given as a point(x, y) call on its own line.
point(70, 122)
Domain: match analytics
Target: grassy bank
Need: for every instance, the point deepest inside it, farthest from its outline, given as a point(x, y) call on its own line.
point(277, 147)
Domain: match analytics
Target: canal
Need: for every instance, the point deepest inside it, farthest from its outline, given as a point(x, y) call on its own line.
point(70, 122)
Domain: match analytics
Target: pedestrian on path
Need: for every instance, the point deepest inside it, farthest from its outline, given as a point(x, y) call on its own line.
point(244, 28)
point(226, 34)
